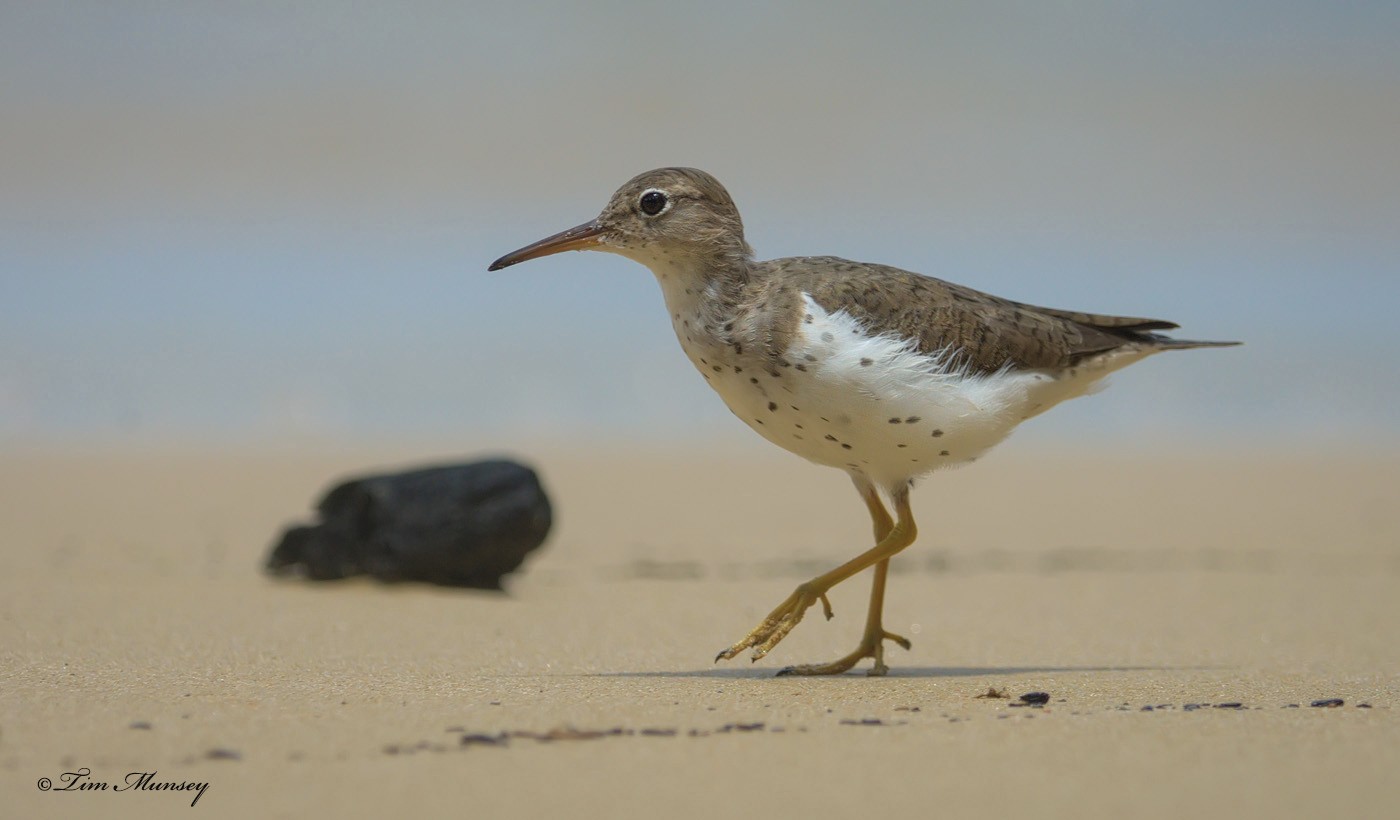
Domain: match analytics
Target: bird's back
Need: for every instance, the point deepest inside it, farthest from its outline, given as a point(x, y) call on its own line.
point(986, 333)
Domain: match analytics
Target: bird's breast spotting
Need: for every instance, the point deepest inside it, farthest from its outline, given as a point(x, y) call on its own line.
point(865, 402)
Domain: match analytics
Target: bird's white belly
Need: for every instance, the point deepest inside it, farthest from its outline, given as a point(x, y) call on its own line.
point(875, 405)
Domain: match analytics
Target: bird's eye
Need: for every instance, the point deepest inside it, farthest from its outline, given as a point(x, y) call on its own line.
point(653, 202)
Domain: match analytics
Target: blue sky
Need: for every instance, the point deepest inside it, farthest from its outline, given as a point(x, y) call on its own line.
point(247, 222)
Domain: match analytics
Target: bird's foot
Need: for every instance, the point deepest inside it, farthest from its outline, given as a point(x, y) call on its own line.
point(871, 646)
point(779, 623)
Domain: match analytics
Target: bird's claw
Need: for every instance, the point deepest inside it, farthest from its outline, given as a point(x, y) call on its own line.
point(871, 646)
point(778, 624)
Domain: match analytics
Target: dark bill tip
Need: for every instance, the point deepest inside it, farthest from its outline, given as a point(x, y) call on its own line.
point(578, 238)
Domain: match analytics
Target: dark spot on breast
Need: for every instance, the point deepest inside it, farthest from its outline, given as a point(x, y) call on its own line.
point(772, 406)
point(830, 437)
point(913, 420)
point(760, 421)
point(809, 357)
point(795, 407)
point(943, 452)
point(738, 369)
point(716, 368)
point(937, 433)
point(752, 380)
point(738, 349)
point(807, 318)
point(866, 362)
point(796, 436)
point(802, 367)
point(827, 337)
point(895, 421)
point(845, 446)
point(901, 445)
point(800, 427)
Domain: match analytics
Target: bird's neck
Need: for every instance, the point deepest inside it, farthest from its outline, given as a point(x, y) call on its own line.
point(700, 292)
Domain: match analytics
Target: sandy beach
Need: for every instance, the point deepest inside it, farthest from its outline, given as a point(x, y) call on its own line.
point(137, 634)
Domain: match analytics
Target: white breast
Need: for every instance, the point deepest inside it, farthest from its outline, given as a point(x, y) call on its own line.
point(871, 403)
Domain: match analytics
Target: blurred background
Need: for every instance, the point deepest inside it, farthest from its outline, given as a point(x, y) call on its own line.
point(252, 222)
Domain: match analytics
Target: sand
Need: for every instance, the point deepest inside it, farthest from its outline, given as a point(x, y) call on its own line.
point(138, 635)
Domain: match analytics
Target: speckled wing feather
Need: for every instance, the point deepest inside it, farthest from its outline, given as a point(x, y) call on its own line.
point(987, 332)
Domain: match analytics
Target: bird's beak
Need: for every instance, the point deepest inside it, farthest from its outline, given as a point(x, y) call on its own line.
point(580, 238)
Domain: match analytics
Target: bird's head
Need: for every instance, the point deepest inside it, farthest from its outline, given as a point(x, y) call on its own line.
point(679, 216)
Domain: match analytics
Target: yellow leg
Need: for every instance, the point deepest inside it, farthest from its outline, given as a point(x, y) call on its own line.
point(891, 538)
point(872, 643)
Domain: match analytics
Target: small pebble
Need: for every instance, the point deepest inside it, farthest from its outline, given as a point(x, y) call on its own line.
point(1036, 698)
point(222, 754)
point(740, 727)
point(139, 724)
point(1328, 703)
point(1229, 705)
point(1363, 706)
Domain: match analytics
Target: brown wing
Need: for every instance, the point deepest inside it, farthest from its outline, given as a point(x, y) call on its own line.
point(986, 332)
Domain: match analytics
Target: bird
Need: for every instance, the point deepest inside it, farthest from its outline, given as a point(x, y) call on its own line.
point(883, 373)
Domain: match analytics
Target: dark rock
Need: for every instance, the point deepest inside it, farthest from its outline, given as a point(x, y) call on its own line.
point(1036, 698)
point(464, 525)
point(1328, 703)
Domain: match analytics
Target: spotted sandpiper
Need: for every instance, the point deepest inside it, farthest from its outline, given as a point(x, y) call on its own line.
point(886, 374)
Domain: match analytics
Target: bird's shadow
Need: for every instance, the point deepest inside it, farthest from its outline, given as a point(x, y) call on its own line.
point(894, 672)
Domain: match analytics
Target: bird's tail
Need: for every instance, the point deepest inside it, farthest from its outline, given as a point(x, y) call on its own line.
point(1168, 343)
